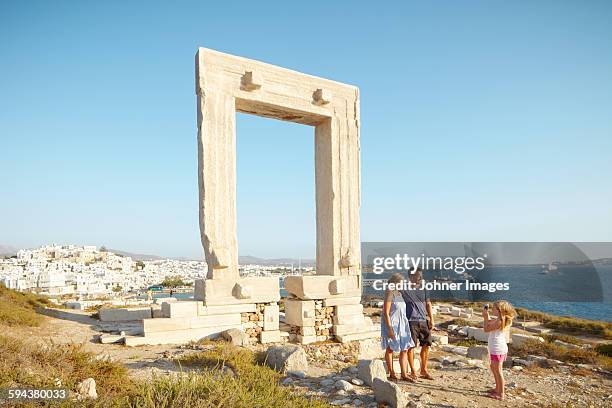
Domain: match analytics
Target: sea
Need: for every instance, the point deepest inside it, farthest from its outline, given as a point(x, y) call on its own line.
point(570, 291)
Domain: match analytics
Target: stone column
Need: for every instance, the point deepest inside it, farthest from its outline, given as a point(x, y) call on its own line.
point(217, 183)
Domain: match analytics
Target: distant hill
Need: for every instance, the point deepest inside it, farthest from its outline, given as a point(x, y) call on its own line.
point(6, 250)
point(136, 257)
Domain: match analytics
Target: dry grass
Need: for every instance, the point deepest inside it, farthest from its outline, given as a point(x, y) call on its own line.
point(19, 309)
point(245, 384)
point(253, 385)
point(570, 325)
point(551, 350)
point(27, 364)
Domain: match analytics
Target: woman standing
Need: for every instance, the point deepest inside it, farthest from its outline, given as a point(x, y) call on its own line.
point(395, 328)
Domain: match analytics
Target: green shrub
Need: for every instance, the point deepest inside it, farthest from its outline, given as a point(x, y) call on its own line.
point(604, 349)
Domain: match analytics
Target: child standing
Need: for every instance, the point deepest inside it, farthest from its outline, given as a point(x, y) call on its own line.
point(498, 349)
point(395, 328)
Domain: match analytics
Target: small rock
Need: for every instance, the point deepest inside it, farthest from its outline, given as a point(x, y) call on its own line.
point(524, 362)
point(344, 385)
point(237, 337)
point(297, 373)
point(517, 368)
point(87, 389)
point(287, 357)
point(287, 381)
point(478, 352)
point(371, 369)
point(327, 382)
point(389, 393)
point(357, 402)
point(357, 381)
point(566, 345)
point(341, 401)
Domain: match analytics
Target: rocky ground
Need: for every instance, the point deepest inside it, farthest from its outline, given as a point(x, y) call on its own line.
point(332, 373)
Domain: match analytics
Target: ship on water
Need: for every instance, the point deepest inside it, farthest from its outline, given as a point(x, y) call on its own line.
point(551, 267)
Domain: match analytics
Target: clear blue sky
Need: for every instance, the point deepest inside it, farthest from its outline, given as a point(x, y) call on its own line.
point(481, 120)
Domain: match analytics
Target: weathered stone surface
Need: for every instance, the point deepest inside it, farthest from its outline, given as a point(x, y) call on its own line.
point(227, 291)
point(287, 357)
point(242, 291)
point(306, 339)
point(519, 339)
point(299, 312)
point(272, 336)
point(478, 352)
point(178, 336)
point(348, 310)
point(370, 334)
point(111, 338)
point(320, 287)
point(180, 309)
point(371, 369)
point(477, 333)
point(183, 323)
point(271, 317)
point(237, 337)
point(342, 301)
point(389, 393)
point(124, 314)
point(204, 310)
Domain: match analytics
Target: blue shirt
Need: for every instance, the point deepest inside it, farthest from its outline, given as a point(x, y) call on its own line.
point(415, 304)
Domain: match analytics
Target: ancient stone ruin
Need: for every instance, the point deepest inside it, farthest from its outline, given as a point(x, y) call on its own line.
point(320, 307)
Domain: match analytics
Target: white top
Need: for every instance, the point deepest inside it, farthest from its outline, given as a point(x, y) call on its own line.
point(497, 342)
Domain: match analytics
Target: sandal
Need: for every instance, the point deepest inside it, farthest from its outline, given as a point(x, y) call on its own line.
point(408, 378)
point(392, 376)
point(495, 396)
point(427, 376)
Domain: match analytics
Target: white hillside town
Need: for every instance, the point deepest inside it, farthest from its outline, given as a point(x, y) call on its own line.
point(89, 272)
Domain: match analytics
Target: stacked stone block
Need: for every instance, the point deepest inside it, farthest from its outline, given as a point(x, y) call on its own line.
point(327, 319)
point(186, 321)
point(262, 324)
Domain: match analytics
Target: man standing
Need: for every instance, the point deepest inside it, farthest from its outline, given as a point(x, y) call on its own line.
point(418, 309)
